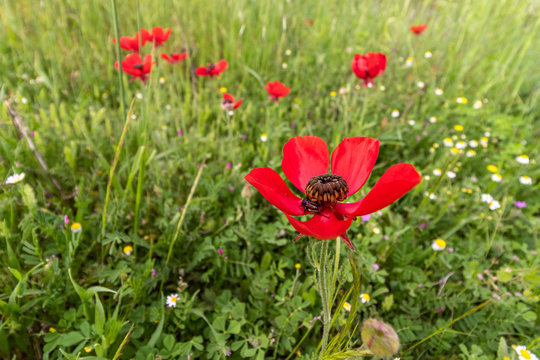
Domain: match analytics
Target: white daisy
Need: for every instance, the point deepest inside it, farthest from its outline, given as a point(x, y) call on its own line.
point(420, 84)
point(264, 137)
point(471, 153)
point(76, 227)
point(494, 205)
point(473, 143)
point(15, 178)
point(412, 122)
point(439, 92)
point(448, 142)
point(477, 104)
point(409, 62)
point(428, 54)
point(438, 245)
point(451, 174)
point(346, 306)
point(433, 119)
point(172, 300)
point(496, 177)
point(437, 172)
point(525, 180)
point(365, 298)
point(461, 144)
point(484, 142)
point(524, 354)
point(487, 198)
point(523, 159)
point(395, 113)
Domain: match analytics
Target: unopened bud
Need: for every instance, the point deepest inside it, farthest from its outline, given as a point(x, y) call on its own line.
point(247, 191)
point(380, 338)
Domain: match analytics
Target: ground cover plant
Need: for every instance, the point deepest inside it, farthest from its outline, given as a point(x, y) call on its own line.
point(134, 213)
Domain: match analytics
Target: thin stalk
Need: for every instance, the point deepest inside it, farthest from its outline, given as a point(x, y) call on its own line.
point(323, 289)
point(111, 176)
point(333, 291)
point(140, 184)
point(364, 110)
point(181, 220)
point(119, 57)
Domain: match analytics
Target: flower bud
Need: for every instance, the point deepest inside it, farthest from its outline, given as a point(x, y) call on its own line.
point(247, 191)
point(380, 338)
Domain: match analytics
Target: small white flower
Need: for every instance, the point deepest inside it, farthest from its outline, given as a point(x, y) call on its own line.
point(448, 142)
point(264, 137)
point(133, 117)
point(525, 180)
point(524, 354)
point(382, 88)
point(24, 100)
point(420, 84)
point(172, 300)
point(346, 306)
point(496, 177)
point(138, 96)
point(432, 196)
point(412, 122)
point(365, 298)
point(484, 142)
point(395, 113)
point(437, 172)
point(76, 227)
point(439, 92)
point(409, 62)
point(477, 104)
point(523, 159)
point(162, 80)
point(494, 205)
point(461, 145)
point(451, 174)
point(487, 134)
point(288, 52)
point(15, 178)
point(471, 153)
point(284, 65)
point(433, 119)
point(376, 231)
point(487, 198)
point(428, 54)
point(473, 143)
point(438, 244)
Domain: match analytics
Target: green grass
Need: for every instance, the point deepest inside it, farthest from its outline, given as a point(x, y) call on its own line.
point(59, 77)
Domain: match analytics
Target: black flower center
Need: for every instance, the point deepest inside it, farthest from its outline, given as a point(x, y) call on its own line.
point(326, 189)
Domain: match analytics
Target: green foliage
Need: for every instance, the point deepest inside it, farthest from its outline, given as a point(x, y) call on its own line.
point(101, 293)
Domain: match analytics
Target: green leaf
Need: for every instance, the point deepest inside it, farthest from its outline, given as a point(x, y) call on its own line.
point(71, 338)
point(15, 273)
point(99, 316)
point(157, 333)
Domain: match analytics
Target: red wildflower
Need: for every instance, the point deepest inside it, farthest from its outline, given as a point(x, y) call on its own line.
point(131, 43)
point(158, 36)
point(134, 66)
point(305, 164)
point(276, 90)
point(174, 57)
point(212, 69)
point(418, 29)
point(229, 103)
point(368, 66)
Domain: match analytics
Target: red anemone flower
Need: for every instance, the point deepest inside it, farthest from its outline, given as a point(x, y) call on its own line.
point(276, 90)
point(305, 164)
point(131, 43)
point(368, 66)
point(418, 29)
point(229, 103)
point(174, 57)
point(134, 66)
point(212, 69)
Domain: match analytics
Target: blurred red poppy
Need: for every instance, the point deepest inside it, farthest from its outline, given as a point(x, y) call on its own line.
point(305, 164)
point(158, 36)
point(134, 66)
point(418, 29)
point(131, 43)
point(276, 90)
point(229, 103)
point(174, 57)
point(369, 66)
point(212, 69)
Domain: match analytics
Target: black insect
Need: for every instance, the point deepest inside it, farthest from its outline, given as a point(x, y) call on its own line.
point(138, 66)
point(311, 207)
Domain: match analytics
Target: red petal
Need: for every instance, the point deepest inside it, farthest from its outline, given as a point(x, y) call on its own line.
point(275, 190)
point(323, 227)
point(221, 66)
point(358, 66)
point(303, 158)
point(147, 66)
point(167, 57)
point(354, 159)
point(238, 103)
point(347, 241)
point(394, 183)
point(201, 71)
point(228, 97)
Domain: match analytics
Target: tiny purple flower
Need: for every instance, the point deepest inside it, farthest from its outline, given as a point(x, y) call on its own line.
point(228, 165)
point(441, 309)
point(179, 132)
point(520, 204)
point(31, 134)
point(418, 138)
point(423, 225)
point(231, 188)
point(66, 220)
point(480, 276)
point(220, 251)
point(244, 136)
point(366, 217)
point(153, 272)
point(375, 266)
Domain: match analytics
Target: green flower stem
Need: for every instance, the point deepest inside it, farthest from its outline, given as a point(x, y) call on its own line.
point(323, 289)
